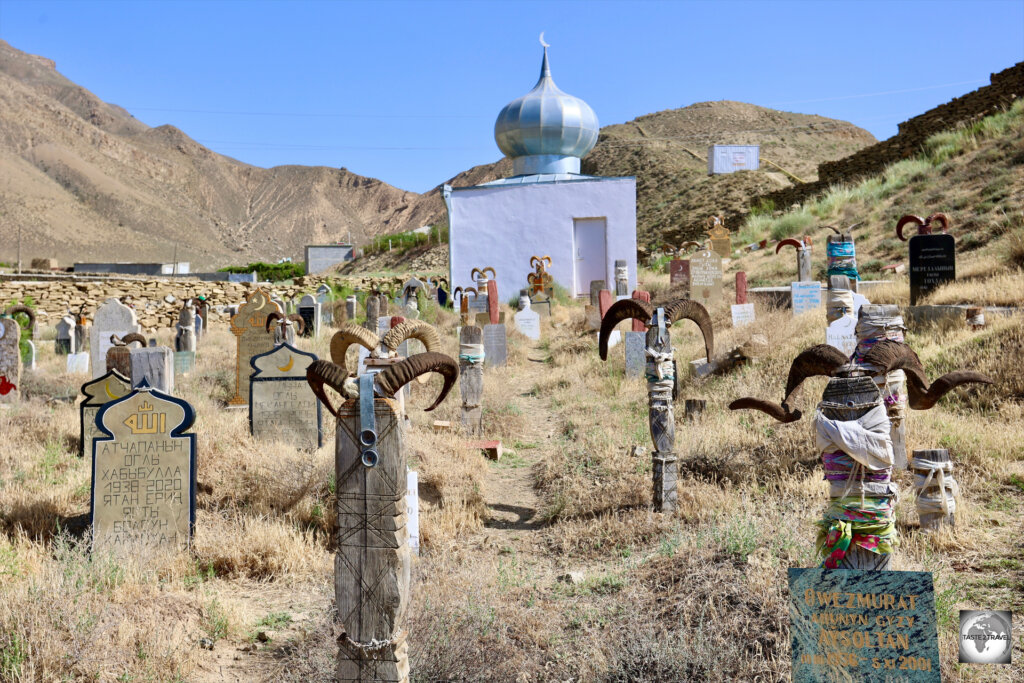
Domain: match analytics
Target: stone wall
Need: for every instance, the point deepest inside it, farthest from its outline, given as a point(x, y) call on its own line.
point(1004, 88)
point(52, 296)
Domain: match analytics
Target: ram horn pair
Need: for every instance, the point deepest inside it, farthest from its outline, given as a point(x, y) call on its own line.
point(687, 245)
point(127, 339)
point(25, 310)
point(643, 311)
point(924, 225)
point(389, 381)
point(838, 231)
point(886, 356)
point(482, 272)
point(281, 319)
point(385, 346)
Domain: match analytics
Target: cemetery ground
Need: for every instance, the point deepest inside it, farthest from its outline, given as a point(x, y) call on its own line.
point(544, 566)
point(548, 565)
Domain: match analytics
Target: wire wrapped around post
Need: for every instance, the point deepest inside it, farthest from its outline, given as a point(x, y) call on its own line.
point(660, 374)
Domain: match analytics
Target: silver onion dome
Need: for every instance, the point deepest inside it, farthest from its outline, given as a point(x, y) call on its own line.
point(546, 130)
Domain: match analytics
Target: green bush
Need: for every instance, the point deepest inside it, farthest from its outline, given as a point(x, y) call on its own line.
point(404, 241)
point(271, 272)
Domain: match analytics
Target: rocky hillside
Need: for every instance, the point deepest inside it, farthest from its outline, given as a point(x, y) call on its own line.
point(84, 180)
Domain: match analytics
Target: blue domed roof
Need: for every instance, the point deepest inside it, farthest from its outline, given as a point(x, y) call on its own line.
point(546, 122)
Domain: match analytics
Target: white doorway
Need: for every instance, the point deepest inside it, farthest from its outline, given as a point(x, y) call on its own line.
point(589, 246)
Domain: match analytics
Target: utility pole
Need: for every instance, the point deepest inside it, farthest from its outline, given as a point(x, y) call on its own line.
point(19, 248)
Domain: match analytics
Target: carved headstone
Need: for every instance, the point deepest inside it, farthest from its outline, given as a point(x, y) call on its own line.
point(249, 326)
point(78, 363)
point(185, 339)
point(528, 323)
point(112, 317)
point(932, 263)
point(10, 360)
point(635, 353)
point(324, 298)
point(65, 340)
point(372, 313)
point(282, 406)
point(742, 314)
point(471, 380)
point(706, 278)
point(842, 334)
point(721, 243)
point(96, 394)
point(679, 273)
point(144, 473)
point(541, 303)
point(309, 309)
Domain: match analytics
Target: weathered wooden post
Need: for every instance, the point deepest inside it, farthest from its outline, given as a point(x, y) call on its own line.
point(803, 256)
point(372, 563)
point(660, 372)
point(852, 433)
point(186, 336)
point(471, 377)
point(841, 255)
point(285, 327)
point(372, 313)
point(935, 487)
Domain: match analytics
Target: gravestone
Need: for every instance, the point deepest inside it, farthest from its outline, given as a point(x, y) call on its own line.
point(679, 273)
point(479, 303)
point(77, 363)
point(932, 263)
point(640, 295)
point(373, 313)
point(323, 297)
point(282, 406)
point(81, 333)
point(621, 278)
point(858, 625)
point(635, 353)
point(541, 303)
point(528, 323)
point(184, 362)
point(471, 380)
point(604, 302)
point(412, 504)
point(805, 296)
point(741, 287)
point(596, 286)
point(200, 326)
point(309, 309)
point(186, 336)
point(31, 364)
point(96, 394)
point(842, 334)
point(202, 318)
point(10, 360)
point(249, 326)
point(65, 340)
point(143, 473)
point(112, 317)
point(155, 366)
point(492, 301)
point(351, 305)
point(742, 314)
point(706, 278)
point(721, 243)
point(496, 345)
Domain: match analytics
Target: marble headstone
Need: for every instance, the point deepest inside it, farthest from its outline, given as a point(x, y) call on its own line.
point(143, 473)
point(282, 406)
point(706, 278)
point(112, 317)
point(65, 340)
point(932, 263)
point(528, 323)
point(323, 297)
point(636, 359)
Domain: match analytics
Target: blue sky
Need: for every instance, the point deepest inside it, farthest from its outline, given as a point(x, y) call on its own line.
point(408, 91)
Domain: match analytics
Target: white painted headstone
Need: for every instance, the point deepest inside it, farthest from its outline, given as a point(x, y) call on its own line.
point(78, 363)
point(742, 314)
point(412, 504)
point(112, 317)
point(32, 355)
point(842, 334)
point(805, 296)
point(528, 323)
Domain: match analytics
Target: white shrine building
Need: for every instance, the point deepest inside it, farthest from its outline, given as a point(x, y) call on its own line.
point(547, 208)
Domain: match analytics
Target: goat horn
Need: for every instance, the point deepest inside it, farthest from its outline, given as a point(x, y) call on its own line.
point(272, 318)
point(23, 309)
point(473, 273)
point(821, 359)
point(774, 410)
point(412, 329)
point(619, 311)
point(397, 375)
point(833, 229)
point(133, 337)
point(688, 244)
point(350, 334)
point(939, 218)
point(299, 321)
point(322, 372)
point(789, 241)
point(488, 268)
point(890, 355)
point(909, 219)
point(692, 310)
point(850, 229)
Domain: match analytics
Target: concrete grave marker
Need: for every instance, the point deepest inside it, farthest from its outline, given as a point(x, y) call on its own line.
point(249, 328)
point(351, 306)
point(324, 298)
point(596, 286)
point(282, 406)
point(496, 344)
point(184, 362)
point(636, 359)
point(679, 273)
point(528, 323)
point(373, 312)
point(78, 363)
point(187, 334)
point(805, 296)
point(542, 304)
point(10, 360)
point(842, 334)
point(857, 625)
point(200, 326)
point(741, 287)
point(706, 278)
point(31, 364)
point(721, 243)
point(96, 394)
point(742, 314)
point(112, 317)
point(143, 473)
point(65, 340)
point(621, 278)
point(471, 381)
point(310, 311)
point(155, 366)
point(932, 263)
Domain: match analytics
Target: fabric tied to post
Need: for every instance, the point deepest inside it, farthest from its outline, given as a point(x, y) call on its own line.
point(939, 474)
point(836, 298)
point(471, 353)
point(875, 328)
point(842, 259)
point(864, 522)
point(661, 375)
point(866, 439)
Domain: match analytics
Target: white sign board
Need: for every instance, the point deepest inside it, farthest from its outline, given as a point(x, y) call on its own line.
point(742, 314)
point(805, 296)
point(842, 334)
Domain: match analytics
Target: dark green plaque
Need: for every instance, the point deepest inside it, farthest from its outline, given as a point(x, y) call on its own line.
point(854, 625)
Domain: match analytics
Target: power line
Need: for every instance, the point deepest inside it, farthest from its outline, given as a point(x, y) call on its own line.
point(877, 94)
point(309, 114)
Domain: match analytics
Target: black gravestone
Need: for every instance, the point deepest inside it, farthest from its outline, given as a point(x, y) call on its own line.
point(308, 314)
point(932, 262)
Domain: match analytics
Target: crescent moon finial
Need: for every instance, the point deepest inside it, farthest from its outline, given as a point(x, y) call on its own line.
point(542, 40)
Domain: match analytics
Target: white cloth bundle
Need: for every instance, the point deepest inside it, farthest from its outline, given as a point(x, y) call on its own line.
point(940, 474)
point(866, 439)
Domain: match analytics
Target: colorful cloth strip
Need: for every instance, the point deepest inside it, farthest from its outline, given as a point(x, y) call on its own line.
point(839, 465)
point(864, 522)
point(842, 259)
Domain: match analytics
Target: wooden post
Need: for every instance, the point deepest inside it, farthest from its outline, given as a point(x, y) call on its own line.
point(803, 263)
point(372, 563)
point(471, 377)
point(862, 394)
point(976, 318)
point(741, 288)
point(694, 408)
point(935, 487)
point(372, 313)
point(661, 418)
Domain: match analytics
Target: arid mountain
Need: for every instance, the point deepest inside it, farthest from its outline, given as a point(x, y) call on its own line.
point(84, 180)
